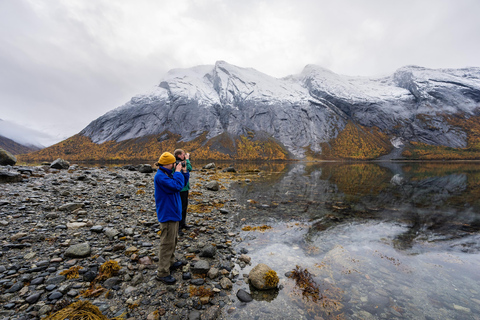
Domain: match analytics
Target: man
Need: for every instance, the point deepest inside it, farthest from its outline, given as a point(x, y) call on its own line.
point(169, 212)
point(180, 155)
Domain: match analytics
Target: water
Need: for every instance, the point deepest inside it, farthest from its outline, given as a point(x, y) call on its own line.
point(380, 240)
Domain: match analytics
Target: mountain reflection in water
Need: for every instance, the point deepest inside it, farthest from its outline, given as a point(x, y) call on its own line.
point(385, 240)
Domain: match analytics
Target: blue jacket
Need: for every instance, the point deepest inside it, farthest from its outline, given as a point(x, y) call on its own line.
point(167, 194)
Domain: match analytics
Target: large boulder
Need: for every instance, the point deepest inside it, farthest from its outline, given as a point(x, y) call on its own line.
point(213, 185)
point(7, 176)
point(60, 164)
point(145, 168)
point(6, 158)
point(263, 277)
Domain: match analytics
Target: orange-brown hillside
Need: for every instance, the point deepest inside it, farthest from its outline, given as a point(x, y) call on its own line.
point(223, 147)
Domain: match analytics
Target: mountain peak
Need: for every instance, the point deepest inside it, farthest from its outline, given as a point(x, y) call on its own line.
point(303, 113)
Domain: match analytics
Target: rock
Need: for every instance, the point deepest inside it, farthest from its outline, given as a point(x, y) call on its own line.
point(197, 282)
point(145, 261)
point(209, 166)
point(213, 185)
point(111, 282)
point(226, 284)
point(97, 229)
point(55, 295)
point(37, 281)
point(6, 158)
point(208, 251)
point(55, 279)
point(15, 288)
point(33, 298)
point(76, 225)
point(111, 232)
point(211, 313)
point(186, 276)
point(200, 267)
point(70, 206)
point(60, 164)
point(194, 315)
point(153, 316)
point(81, 250)
point(230, 169)
point(137, 279)
point(245, 258)
point(213, 273)
point(18, 235)
point(244, 296)
point(263, 277)
point(8, 177)
point(145, 168)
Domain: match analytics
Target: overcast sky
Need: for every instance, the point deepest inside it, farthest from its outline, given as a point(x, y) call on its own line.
point(65, 63)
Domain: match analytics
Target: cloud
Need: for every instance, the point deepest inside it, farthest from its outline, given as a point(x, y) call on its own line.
point(65, 63)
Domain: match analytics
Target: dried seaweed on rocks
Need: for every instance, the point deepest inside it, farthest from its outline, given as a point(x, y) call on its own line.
point(80, 310)
point(71, 273)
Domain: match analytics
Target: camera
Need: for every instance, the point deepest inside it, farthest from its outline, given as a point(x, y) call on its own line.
point(180, 161)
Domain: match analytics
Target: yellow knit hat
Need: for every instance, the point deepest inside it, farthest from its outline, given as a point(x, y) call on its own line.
point(166, 158)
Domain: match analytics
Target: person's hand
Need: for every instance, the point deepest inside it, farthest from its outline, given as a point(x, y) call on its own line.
point(187, 155)
point(178, 168)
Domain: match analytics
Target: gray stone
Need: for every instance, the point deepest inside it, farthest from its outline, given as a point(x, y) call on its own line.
point(110, 282)
point(197, 282)
point(37, 281)
point(55, 295)
point(209, 166)
point(145, 168)
point(55, 279)
point(111, 232)
point(97, 229)
point(213, 273)
point(200, 267)
point(60, 164)
point(244, 296)
point(208, 251)
point(211, 313)
point(81, 250)
point(137, 279)
point(33, 298)
point(6, 158)
point(194, 315)
point(213, 185)
point(8, 177)
point(70, 206)
point(225, 283)
point(16, 287)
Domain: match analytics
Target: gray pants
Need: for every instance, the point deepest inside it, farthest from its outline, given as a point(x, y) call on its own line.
point(168, 242)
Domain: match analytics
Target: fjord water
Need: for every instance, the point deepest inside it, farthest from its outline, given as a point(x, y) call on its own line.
point(381, 240)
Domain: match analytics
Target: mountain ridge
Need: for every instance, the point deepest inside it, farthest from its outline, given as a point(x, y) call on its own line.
point(305, 114)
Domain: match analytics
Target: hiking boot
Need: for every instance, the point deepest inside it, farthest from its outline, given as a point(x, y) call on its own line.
point(167, 280)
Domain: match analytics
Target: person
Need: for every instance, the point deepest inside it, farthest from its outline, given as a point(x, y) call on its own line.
point(169, 212)
point(180, 155)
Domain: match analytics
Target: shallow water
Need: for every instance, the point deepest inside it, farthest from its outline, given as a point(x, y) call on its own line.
point(381, 240)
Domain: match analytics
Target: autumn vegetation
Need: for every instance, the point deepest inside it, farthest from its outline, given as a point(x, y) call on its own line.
point(222, 147)
point(355, 143)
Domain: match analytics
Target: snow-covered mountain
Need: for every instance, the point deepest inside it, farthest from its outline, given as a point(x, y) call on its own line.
point(302, 112)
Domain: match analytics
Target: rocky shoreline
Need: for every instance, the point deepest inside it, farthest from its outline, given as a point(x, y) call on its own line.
point(60, 226)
